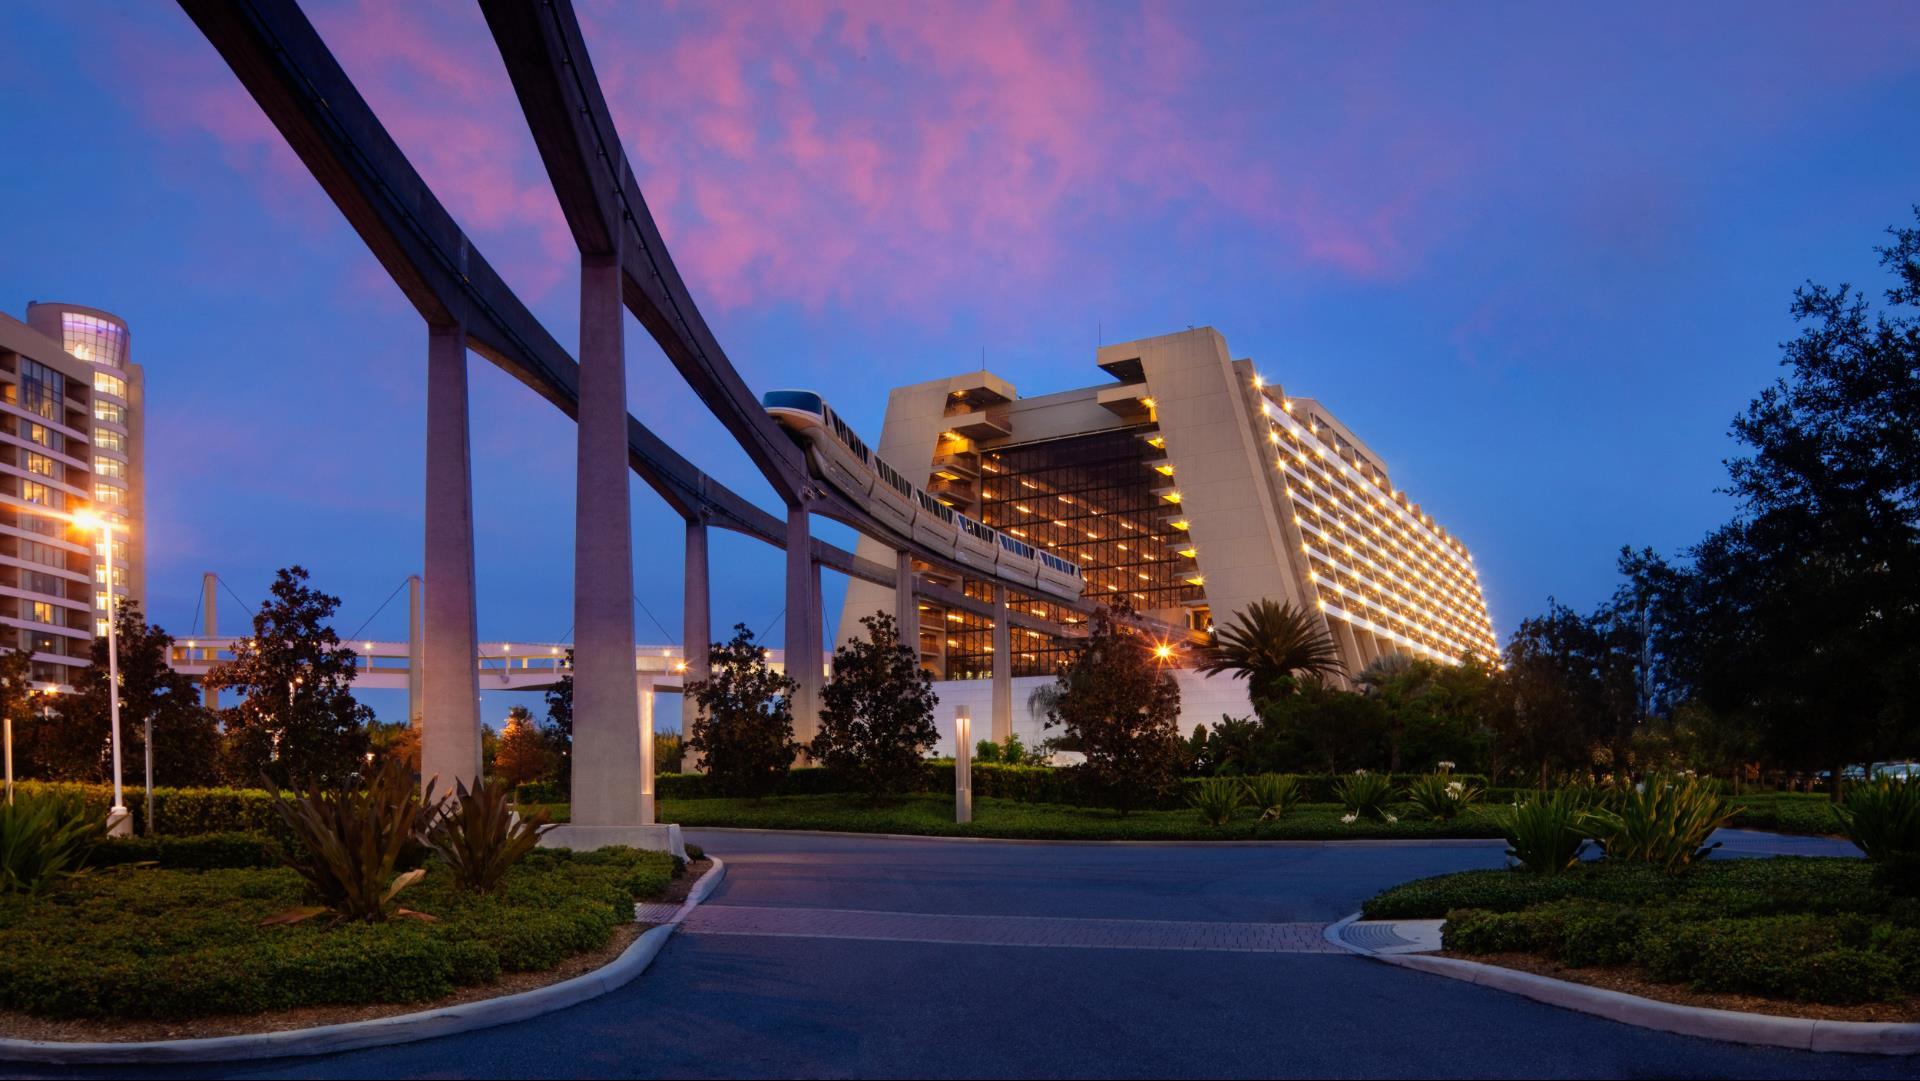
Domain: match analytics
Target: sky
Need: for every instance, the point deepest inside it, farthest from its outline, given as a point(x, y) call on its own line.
point(1536, 256)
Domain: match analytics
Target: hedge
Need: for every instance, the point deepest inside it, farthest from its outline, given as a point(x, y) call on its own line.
point(133, 942)
point(1782, 884)
point(1842, 960)
point(1027, 784)
point(1787, 927)
point(179, 810)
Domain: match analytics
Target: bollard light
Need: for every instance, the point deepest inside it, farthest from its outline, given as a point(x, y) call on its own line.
point(962, 764)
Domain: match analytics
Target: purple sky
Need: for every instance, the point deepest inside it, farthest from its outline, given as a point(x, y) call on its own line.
point(1535, 259)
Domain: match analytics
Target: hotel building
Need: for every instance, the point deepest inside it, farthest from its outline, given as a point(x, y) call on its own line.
point(1188, 487)
point(70, 441)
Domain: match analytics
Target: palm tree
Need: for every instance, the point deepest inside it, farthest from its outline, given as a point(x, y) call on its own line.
point(1271, 645)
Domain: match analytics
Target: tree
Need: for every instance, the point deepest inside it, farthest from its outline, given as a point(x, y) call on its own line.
point(1272, 646)
point(1800, 619)
point(560, 699)
point(1332, 728)
point(186, 736)
point(20, 704)
point(523, 753)
point(876, 715)
point(395, 741)
point(744, 730)
point(1122, 709)
point(1397, 682)
point(298, 720)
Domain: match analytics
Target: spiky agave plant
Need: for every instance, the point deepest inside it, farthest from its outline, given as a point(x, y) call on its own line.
point(348, 843)
point(1217, 798)
point(1546, 834)
point(479, 837)
point(44, 838)
point(1365, 795)
point(1665, 823)
point(1273, 794)
point(1442, 798)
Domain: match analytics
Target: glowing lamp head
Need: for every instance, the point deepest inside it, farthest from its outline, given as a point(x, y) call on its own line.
point(89, 521)
point(1163, 651)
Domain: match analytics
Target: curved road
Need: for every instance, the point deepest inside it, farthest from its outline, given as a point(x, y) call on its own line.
point(872, 957)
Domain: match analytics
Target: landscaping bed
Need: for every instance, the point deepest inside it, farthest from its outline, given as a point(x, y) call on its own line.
point(931, 815)
point(1799, 935)
point(136, 951)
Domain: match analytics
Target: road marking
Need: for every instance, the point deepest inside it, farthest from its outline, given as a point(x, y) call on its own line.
point(970, 930)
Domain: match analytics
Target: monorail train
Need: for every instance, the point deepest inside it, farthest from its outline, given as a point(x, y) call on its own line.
point(841, 458)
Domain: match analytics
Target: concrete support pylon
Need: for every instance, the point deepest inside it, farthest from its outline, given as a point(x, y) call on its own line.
point(696, 621)
point(606, 743)
point(1002, 668)
point(209, 627)
point(416, 646)
point(450, 688)
point(906, 611)
point(803, 625)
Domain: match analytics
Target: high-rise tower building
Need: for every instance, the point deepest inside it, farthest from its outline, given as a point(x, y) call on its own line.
point(70, 441)
point(1189, 488)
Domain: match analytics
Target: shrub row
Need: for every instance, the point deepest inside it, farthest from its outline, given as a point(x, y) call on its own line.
point(1027, 784)
point(179, 810)
point(1841, 960)
point(194, 852)
point(1783, 884)
point(148, 943)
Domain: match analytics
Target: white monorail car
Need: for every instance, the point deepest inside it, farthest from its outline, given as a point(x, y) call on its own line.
point(839, 456)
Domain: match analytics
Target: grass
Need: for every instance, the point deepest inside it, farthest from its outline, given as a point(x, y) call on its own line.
point(142, 942)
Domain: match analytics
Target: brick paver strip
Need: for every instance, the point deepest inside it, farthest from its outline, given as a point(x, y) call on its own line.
point(1008, 930)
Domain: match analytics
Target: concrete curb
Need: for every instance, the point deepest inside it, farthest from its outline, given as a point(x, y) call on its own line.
point(1474, 842)
point(383, 1031)
point(1799, 1033)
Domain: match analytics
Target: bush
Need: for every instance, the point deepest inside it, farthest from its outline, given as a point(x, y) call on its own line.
point(144, 943)
point(1666, 823)
point(1217, 799)
point(44, 838)
point(200, 852)
point(1775, 886)
point(1273, 795)
point(538, 793)
point(1442, 798)
point(1365, 795)
point(1546, 834)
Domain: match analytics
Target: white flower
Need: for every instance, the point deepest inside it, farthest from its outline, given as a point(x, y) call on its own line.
point(1350, 819)
point(1446, 767)
point(1391, 819)
point(1455, 788)
point(1359, 773)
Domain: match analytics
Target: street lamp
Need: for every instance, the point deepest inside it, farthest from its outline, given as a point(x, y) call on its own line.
point(119, 821)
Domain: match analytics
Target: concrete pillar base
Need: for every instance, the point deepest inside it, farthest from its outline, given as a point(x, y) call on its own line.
point(119, 822)
point(654, 838)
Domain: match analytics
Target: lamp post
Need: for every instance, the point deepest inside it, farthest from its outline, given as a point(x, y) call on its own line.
point(119, 820)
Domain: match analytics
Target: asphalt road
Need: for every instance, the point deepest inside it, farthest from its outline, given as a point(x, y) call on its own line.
point(784, 1005)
